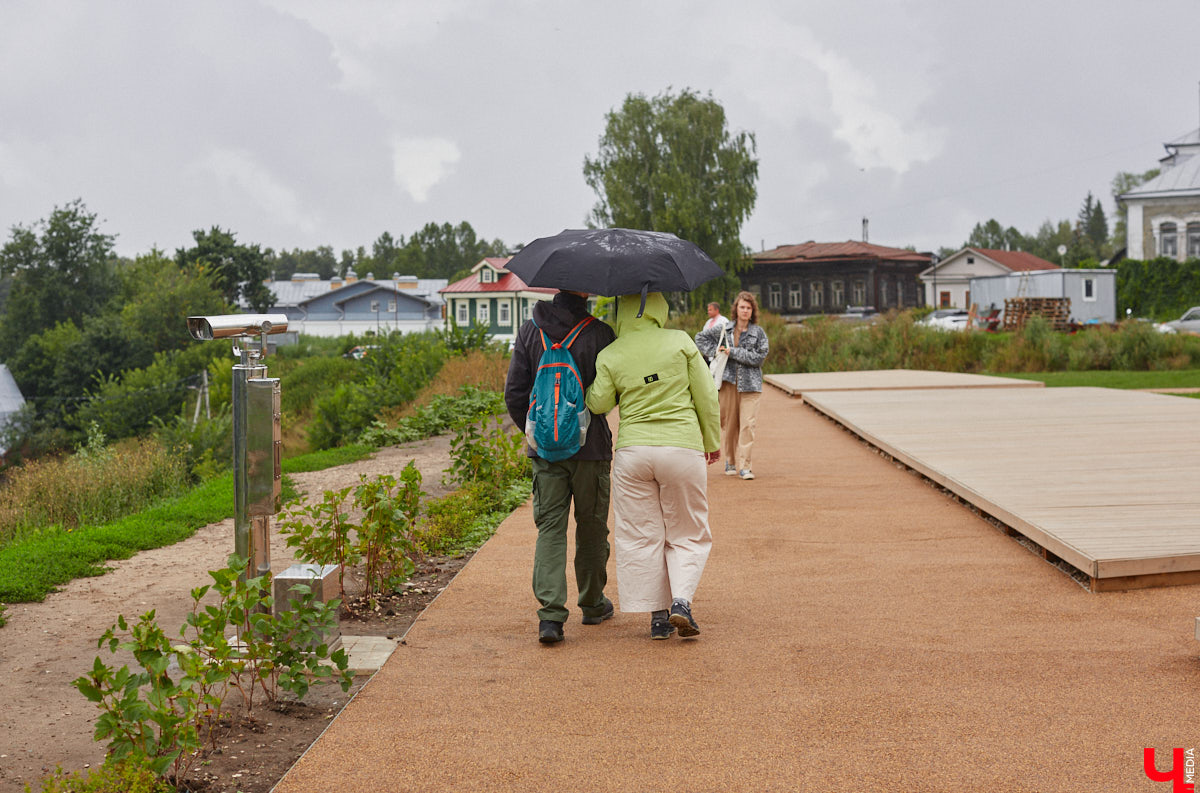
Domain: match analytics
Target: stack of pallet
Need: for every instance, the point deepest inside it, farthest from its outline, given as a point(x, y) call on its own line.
point(1019, 310)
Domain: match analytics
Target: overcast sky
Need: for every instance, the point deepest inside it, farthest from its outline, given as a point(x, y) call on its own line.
point(307, 123)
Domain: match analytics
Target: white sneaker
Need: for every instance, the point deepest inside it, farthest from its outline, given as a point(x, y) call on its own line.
point(730, 470)
point(746, 473)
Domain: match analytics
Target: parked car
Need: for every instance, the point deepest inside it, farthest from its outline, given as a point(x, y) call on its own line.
point(946, 319)
point(1188, 323)
point(360, 352)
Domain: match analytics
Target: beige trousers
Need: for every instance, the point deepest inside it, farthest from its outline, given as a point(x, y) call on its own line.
point(739, 417)
point(660, 526)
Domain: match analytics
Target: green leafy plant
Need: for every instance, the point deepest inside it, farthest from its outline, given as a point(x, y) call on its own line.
point(161, 714)
point(483, 452)
point(321, 533)
point(385, 534)
point(443, 413)
point(123, 776)
point(466, 518)
point(460, 341)
point(146, 716)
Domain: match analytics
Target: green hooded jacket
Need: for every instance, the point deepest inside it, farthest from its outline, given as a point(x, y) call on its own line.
point(666, 393)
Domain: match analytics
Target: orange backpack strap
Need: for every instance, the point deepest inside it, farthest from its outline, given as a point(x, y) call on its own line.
point(575, 331)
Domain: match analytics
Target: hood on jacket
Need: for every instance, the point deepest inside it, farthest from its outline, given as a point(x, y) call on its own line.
point(655, 315)
point(558, 315)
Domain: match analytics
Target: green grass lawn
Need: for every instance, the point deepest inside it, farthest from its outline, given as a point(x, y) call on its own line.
point(32, 567)
point(1175, 378)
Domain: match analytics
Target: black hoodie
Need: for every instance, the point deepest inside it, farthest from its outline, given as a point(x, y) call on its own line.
point(557, 317)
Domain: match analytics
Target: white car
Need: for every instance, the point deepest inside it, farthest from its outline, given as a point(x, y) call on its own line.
point(1188, 323)
point(947, 319)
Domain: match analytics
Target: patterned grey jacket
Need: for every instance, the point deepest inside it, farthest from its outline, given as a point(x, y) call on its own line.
point(744, 368)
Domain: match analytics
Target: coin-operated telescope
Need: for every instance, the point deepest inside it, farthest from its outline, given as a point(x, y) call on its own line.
point(257, 440)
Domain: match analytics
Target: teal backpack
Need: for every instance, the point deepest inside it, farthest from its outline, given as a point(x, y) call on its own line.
point(558, 420)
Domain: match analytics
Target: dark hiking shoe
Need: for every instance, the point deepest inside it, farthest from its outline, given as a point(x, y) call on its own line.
point(596, 619)
point(549, 632)
point(661, 628)
point(681, 618)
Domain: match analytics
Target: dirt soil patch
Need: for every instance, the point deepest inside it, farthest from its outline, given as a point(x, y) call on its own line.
point(47, 723)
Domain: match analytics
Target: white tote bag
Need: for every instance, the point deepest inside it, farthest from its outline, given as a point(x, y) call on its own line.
point(717, 366)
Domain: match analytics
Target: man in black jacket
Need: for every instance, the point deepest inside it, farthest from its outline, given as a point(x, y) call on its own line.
point(582, 478)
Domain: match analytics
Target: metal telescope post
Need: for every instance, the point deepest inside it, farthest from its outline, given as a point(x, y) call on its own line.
point(257, 440)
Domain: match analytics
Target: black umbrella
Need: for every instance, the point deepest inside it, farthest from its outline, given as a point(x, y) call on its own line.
point(614, 262)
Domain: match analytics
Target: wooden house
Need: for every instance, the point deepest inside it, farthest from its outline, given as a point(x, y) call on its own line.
point(493, 297)
point(948, 282)
point(832, 277)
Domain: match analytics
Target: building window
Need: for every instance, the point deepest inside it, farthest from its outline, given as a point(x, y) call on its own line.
point(883, 294)
point(483, 313)
point(525, 310)
point(1193, 240)
point(774, 296)
point(504, 318)
point(463, 315)
point(816, 293)
point(943, 299)
point(391, 306)
point(485, 275)
point(858, 293)
point(795, 296)
point(839, 293)
point(756, 290)
point(1168, 245)
point(1089, 289)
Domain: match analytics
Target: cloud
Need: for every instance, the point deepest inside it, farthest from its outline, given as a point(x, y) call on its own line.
point(247, 183)
point(420, 163)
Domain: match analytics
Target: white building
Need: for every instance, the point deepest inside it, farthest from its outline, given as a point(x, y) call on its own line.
point(1093, 293)
point(1164, 213)
point(948, 282)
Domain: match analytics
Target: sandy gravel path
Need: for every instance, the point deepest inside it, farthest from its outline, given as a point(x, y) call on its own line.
point(44, 720)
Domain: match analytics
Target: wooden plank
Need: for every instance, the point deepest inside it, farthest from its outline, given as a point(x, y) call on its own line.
point(1103, 479)
point(889, 379)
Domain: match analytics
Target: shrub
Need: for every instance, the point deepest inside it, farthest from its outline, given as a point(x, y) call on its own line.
point(160, 719)
point(393, 374)
point(124, 776)
point(385, 534)
point(466, 518)
point(441, 414)
point(206, 447)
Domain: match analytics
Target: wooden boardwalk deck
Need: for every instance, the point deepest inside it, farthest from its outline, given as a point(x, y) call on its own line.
point(1106, 480)
point(889, 379)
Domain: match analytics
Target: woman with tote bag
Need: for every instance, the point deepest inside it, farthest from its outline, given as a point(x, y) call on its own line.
point(745, 343)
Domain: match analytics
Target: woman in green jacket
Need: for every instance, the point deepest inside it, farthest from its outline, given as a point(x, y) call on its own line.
point(669, 428)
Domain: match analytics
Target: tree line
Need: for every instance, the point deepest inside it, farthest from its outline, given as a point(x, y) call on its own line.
point(1087, 239)
point(81, 326)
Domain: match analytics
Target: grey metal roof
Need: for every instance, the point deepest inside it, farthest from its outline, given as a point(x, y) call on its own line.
point(1184, 177)
point(293, 293)
point(10, 396)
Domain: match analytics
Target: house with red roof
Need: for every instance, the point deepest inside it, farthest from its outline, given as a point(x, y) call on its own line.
point(493, 297)
point(947, 283)
point(831, 277)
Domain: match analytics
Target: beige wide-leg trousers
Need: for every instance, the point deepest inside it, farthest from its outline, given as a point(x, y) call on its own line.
point(660, 511)
point(739, 419)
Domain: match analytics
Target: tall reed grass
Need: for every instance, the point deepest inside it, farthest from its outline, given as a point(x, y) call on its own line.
point(96, 485)
point(895, 341)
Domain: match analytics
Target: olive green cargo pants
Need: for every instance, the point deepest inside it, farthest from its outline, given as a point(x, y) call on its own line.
point(555, 487)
